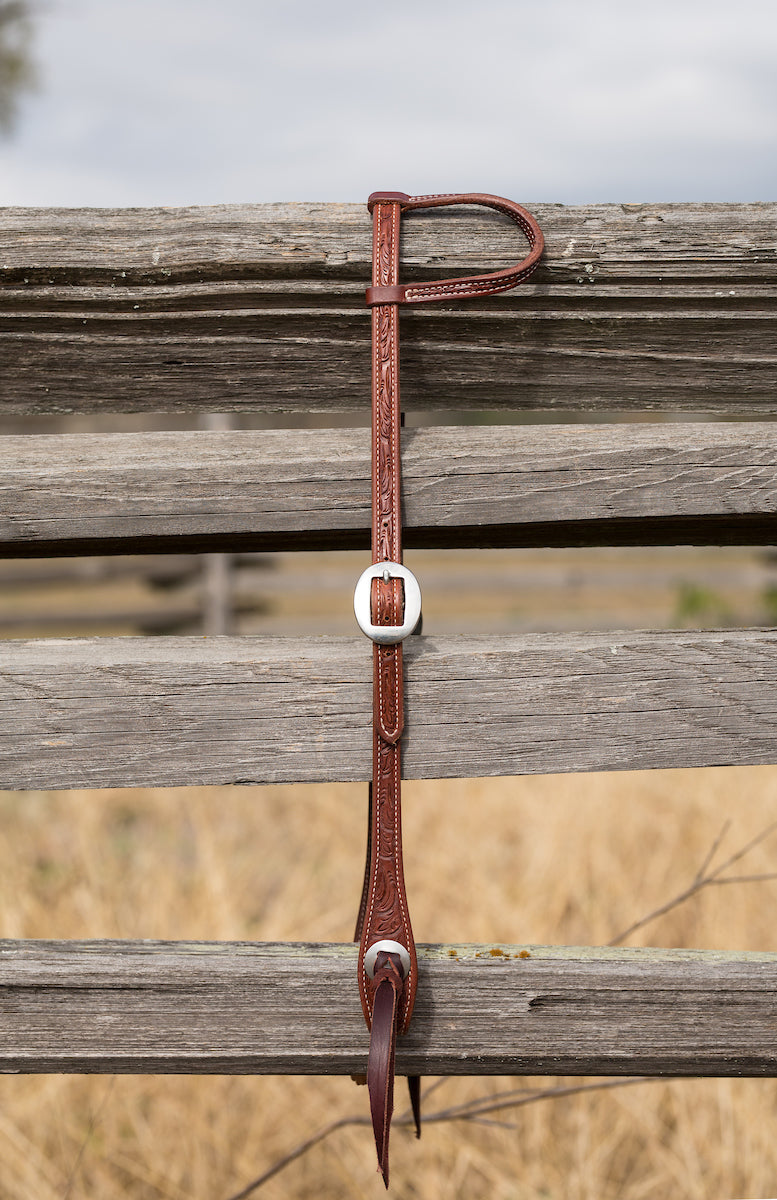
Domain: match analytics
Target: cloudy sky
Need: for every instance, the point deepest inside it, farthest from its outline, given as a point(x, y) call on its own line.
point(144, 102)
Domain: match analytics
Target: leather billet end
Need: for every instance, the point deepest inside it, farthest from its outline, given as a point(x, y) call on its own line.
point(383, 1041)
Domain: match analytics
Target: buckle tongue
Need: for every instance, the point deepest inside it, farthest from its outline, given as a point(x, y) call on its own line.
point(387, 635)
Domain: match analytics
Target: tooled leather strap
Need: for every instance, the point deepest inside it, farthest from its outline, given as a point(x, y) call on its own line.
point(387, 998)
point(386, 913)
point(388, 969)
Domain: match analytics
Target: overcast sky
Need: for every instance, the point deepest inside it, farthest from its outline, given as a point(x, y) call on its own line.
point(144, 102)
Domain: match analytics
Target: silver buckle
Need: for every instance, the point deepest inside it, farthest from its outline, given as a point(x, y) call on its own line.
point(387, 635)
point(387, 947)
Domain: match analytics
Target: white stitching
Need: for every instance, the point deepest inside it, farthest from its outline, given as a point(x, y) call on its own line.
point(397, 849)
point(478, 285)
point(434, 291)
point(396, 652)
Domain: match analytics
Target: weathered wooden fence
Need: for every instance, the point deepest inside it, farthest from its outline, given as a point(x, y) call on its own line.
point(147, 593)
point(636, 308)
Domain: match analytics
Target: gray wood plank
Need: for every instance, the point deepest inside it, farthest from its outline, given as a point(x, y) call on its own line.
point(324, 241)
point(261, 307)
point(142, 711)
point(276, 1008)
point(274, 490)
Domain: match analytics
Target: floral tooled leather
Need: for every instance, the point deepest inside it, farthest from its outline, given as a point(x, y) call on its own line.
point(388, 996)
point(386, 911)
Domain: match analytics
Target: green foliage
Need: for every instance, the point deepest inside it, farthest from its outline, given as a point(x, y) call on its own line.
point(17, 73)
point(769, 599)
point(700, 607)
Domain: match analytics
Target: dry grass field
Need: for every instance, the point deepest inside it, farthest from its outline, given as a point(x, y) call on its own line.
point(565, 859)
point(561, 859)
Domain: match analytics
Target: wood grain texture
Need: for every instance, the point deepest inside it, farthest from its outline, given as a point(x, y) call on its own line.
point(274, 490)
point(261, 307)
point(257, 1008)
point(118, 712)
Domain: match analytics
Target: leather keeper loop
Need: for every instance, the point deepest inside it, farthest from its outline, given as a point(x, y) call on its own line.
point(391, 294)
point(386, 198)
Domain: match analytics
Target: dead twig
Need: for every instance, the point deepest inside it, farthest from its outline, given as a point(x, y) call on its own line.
point(472, 1110)
point(296, 1153)
point(705, 878)
point(94, 1118)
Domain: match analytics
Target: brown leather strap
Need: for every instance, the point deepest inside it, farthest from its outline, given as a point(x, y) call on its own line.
point(386, 913)
point(470, 285)
point(386, 939)
point(389, 985)
point(387, 998)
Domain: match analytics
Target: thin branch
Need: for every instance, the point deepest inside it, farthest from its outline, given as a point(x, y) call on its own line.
point(520, 1095)
point(708, 857)
point(703, 880)
point(738, 854)
point(487, 1124)
point(742, 879)
point(297, 1152)
point(502, 1100)
point(471, 1111)
point(94, 1117)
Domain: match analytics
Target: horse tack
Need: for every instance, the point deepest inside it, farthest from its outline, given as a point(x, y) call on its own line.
point(387, 603)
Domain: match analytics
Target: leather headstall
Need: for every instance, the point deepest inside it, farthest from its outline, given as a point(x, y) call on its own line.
point(387, 603)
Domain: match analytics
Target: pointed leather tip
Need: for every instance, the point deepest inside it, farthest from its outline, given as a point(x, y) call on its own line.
point(414, 1088)
point(380, 1063)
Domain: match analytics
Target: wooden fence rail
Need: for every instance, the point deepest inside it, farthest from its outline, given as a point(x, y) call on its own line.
point(260, 309)
point(113, 712)
point(290, 1008)
point(294, 489)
